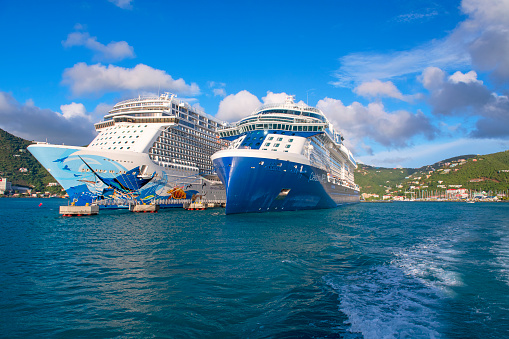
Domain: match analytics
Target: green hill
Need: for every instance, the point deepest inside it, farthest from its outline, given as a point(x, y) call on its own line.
point(14, 159)
point(489, 173)
point(377, 180)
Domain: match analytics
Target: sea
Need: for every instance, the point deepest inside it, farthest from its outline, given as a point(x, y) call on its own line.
point(370, 270)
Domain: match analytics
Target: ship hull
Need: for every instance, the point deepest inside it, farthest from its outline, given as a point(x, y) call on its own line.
point(262, 184)
point(115, 179)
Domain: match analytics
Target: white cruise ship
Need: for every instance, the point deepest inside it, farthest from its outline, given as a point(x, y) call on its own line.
point(148, 149)
point(285, 157)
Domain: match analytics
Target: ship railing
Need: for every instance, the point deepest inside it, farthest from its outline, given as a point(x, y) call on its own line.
point(288, 106)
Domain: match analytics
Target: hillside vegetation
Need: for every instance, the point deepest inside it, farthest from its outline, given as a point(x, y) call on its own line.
point(14, 159)
point(489, 173)
point(376, 180)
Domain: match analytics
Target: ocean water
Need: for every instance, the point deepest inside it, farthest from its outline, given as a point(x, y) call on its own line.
point(400, 270)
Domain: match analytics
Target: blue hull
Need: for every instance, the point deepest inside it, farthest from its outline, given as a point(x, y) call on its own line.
point(261, 185)
point(72, 168)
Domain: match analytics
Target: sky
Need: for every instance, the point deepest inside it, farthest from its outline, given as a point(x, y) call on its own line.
point(407, 83)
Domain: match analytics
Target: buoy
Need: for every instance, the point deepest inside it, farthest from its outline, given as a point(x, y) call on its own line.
point(40, 204)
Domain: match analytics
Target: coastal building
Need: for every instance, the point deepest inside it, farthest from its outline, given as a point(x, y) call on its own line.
point(5, 186)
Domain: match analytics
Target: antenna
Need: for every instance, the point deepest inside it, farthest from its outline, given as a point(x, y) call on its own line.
point(307, 95)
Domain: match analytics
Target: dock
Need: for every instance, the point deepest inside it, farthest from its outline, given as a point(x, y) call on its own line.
point(78, 211)
point(151, 208)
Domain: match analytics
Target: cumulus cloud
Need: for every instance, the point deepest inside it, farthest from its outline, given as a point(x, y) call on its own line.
point(33, 123)
point(274, 98)
point(458, 94)
point(97, 79)
point(74, 110)
point(470, 77)
point(277, 98)
point(237, 106)
point(114, 51)
point(390, 129)
point(124, 4)
point(377, 88)
point(463, 94)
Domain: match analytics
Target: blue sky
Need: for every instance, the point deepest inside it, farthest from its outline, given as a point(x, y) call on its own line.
point(408, 83)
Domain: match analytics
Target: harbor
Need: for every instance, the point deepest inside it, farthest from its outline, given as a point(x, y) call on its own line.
point(254, 170)
point(428, 269)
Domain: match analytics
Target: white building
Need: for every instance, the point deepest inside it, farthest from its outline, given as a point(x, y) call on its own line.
point(5, 186)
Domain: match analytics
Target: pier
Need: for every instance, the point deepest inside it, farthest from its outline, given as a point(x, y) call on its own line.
point(151, 208)
point(78, 211)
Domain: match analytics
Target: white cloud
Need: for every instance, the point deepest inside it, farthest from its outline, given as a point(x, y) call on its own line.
point(33, 123)
point(74, 110)
point(114, 51)
point(274, 98)
point(217, 88)
point(364, 67)
point(486, 12)
point(464, 77)
point(390, 129)
point(98, 79)
point(377, 88)
point(219, 92)
point(432, 77)
point(420, 16)
point(237, 106)
point(124, 4)
point(277, 98)
point(215, 84)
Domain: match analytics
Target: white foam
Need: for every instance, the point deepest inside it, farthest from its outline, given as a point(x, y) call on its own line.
point(402, 298)
point(431, 263)
point(501, 252)
point(383, 302)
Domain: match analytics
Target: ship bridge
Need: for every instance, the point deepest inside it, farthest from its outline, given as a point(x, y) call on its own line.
point(288, 117)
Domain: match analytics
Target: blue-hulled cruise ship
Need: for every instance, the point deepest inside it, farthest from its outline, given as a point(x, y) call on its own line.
point(285, 157)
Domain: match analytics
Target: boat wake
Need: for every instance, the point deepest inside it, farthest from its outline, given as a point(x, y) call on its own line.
point(403, 298)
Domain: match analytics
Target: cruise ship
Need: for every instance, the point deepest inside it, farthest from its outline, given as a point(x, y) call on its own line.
point(285, 157)
point(147, 150)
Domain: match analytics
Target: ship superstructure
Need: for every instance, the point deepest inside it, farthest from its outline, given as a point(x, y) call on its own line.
point(147, 149)
point(283, 157)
